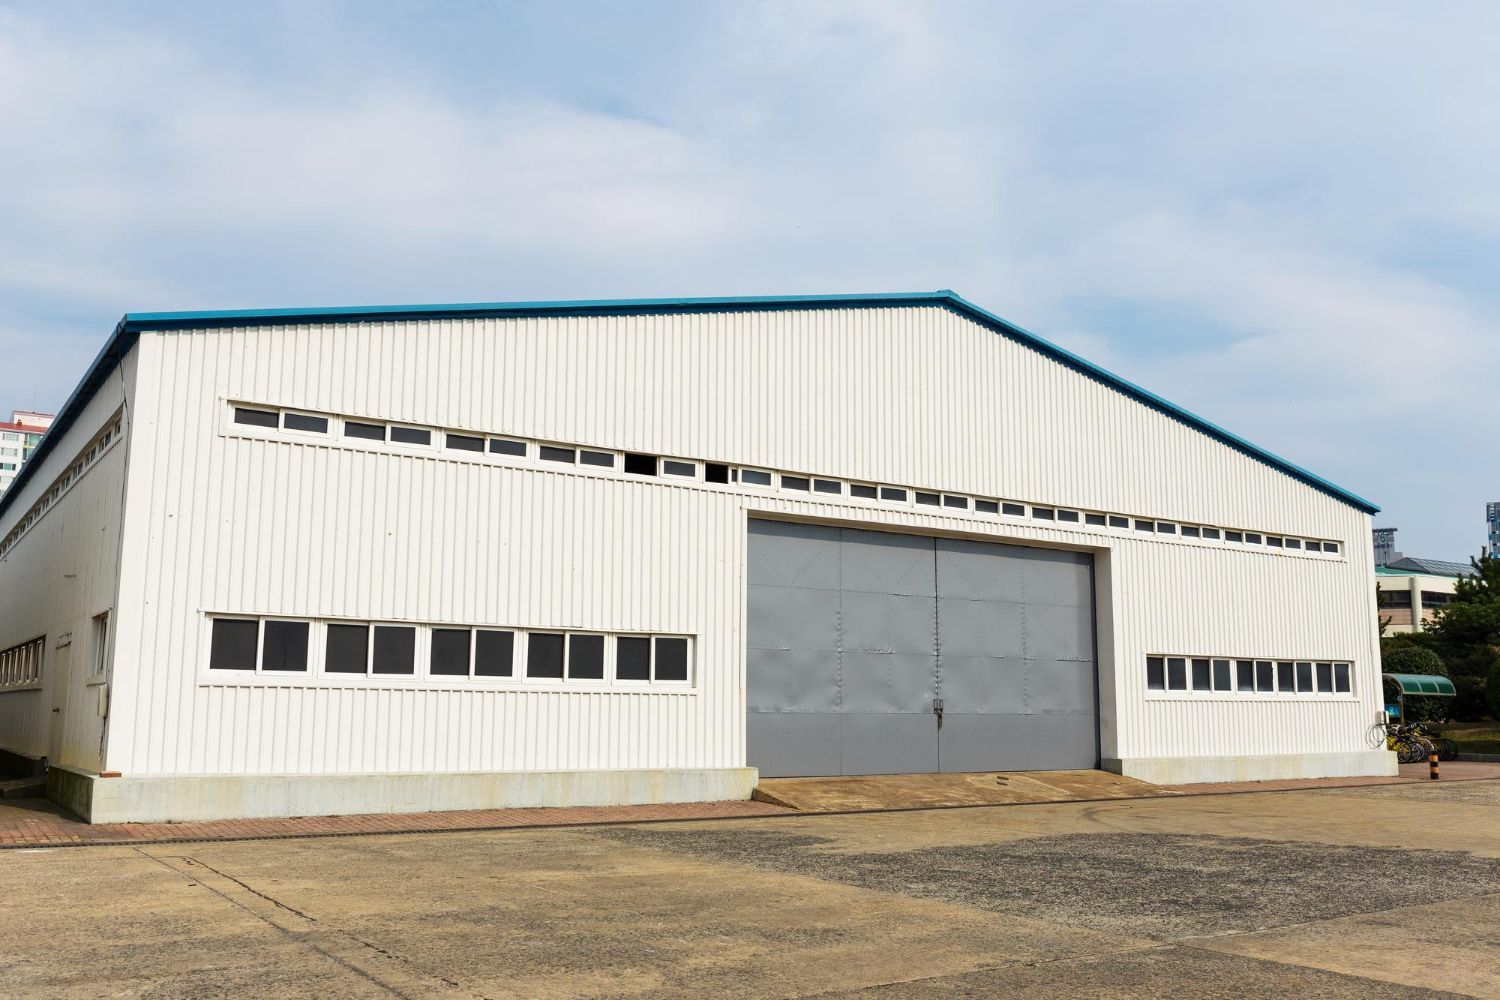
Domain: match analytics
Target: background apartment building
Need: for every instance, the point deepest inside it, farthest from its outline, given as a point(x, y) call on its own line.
point(18, 437)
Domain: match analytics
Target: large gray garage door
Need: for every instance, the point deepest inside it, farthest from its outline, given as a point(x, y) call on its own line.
point(877, 653)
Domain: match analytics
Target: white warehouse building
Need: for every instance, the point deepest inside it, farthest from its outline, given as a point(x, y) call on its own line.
point(323, 561)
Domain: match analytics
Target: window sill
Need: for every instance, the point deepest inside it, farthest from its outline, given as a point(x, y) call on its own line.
point(476, 685)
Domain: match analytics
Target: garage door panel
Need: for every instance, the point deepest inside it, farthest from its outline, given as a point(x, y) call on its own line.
point(793, 618)
point(888, 682)
point(888, 744)
point(1053, 577)
point(791, 680)
point(1059, 632)
point(793, 744)
point(1060, 686)
point(784, 554)
point(980, 571)
point(1017, 742)
point(980, 628)
point(886, 563)
point(984, 683)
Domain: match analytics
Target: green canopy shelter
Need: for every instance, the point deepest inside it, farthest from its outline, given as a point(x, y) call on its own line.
point(1422, 685)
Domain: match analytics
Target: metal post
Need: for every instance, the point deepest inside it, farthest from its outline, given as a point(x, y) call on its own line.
point(1432, 766)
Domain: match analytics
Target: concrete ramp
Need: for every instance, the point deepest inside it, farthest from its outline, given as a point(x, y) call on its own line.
point(933, 791)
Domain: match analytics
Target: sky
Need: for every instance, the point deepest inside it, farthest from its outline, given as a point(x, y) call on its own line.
point(1282, 216)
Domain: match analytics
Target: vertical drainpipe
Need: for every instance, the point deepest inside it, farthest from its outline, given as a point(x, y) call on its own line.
point(1415, 583)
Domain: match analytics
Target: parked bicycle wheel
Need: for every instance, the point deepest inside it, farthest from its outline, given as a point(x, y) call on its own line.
point(1410, 751)
point(1446, 748)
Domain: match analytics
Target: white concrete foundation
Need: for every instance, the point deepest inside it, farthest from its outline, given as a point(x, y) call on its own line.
point(158, 798)
point(1266, 767)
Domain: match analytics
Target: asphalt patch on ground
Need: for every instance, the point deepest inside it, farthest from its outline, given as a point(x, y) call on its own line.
point(1157, 886)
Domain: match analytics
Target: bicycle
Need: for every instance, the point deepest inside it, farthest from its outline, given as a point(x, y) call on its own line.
point(1409, 743)
point(1446, 748)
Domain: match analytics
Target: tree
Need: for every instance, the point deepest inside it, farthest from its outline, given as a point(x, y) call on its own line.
point(1494, 689)
point(1466, 634)
point(1410, 659)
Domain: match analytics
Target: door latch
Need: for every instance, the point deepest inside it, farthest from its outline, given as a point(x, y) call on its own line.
point(937, 710)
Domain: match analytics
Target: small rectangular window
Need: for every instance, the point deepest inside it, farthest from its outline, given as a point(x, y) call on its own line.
point(640, 465)
point(1331, 547)
point(1176, 673)
point(1294, 543)
point(1233, 536)
point(304, 422)
point(715, 472)
point(928, 499)
point(233, 644)
point(1341, 677)
point(363, 431)
point(1222, 680)
point(101, 643)
point(1145, 526)
point(507, 446)
point(494, 653)
point(828, 486)
point(1275, 541)
point(632, 658)
point(893, 494)
point(1166, 528)
point(1068, 515)
point(1313, 546)
point(411, 435)
point(671, 467)
point(1210, 532)
point(800, 483)
point(755, 477)
point(1097, 520)
point(450, 652)
point(1265, 680)
point(602, 459)
point(1115, 521)
point(1044, 513)
point(284, 646)
point(986, 506)
point(1189, 531)
point(961, 503)
point(862, 491)
point(1325, 677)
point(544, 655)
point(1156, 677)
point(1245, 671)
point(347, 649)
point(1286, 677)
point(395, 649)
point(586, 657)
point(552, 453)
point(464, 442)
point(1013, 509)
point(253, 418)
point(1202, 680)
point(671, 659)
point(1304, 676)
point(1252, 538)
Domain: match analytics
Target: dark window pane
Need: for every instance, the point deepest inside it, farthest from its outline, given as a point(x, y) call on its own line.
point(1313, 546)
point(369, 432)
point(987, 506)
point(1252, 538)
point(755, 477)
point(633, 658)
point(285, 646)
point(395, 649)
point(1095, 519)
point(1274, 541)
point(493, 653)
point(1201, 680)
point(862, 491)
point(604, 459)
point(544, 655)
point(552, 453)
point(1044, 513)
point(233, 645)
point(828, 486)
point(1189, 531)
point(1014, 509)
point(1068, 515)
point(962, 503)
point(1341, 677)
point(1264, 681)
point(1330, 546)
point(645, 465)
point(1233, 536)
point(1221, 676)
point(450, 652)
point(1210, 532)
point(464, 442)
point(347, 649)
point(795, 483)
point(715, 472)
point(1304, 677)
point(1156, 677)
point(586, 657)
point(255, 418)
point(1246, 671)
point(1118, 522)
point(411, 435)
point(1177, 674)
point(1286, 677)
point(1145, 526)
point(1166, 528)
point(304, 422)
point(1294, 543)
point(670, 467)
point(1325, 677)
point(892, 493)
point(505, 446)
point(929, 499)
point(671, 659)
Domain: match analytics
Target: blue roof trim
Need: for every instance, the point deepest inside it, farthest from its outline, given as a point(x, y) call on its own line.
point(130, 327)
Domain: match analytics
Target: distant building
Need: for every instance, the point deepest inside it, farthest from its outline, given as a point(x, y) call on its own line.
point(1385, 546)
point(1492, 516)
point(17, 439)
point(1411, 590)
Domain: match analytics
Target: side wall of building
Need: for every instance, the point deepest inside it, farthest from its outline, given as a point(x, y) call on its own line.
point(59, 576)
point(229, 520)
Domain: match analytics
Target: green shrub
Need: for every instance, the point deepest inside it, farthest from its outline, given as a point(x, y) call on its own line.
point(1492, 689)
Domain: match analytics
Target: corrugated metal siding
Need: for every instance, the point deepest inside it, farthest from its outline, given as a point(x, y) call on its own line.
point(917, 396)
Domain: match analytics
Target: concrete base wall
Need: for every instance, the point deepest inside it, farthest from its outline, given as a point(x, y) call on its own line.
point(160, 798)
point(1269, 767)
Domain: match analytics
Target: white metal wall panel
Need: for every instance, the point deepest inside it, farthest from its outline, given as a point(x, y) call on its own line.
point(915, 396)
